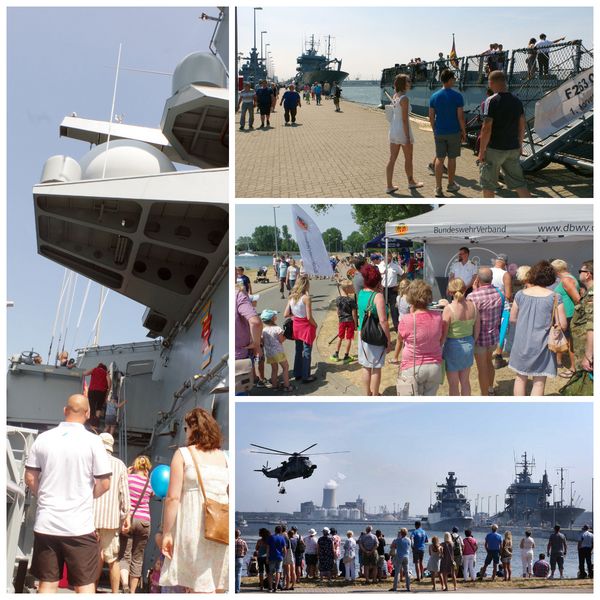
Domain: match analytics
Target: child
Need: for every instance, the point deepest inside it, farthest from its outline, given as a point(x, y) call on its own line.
point(403, 309)
point(435, 558)
point(347, 319)
point(273, 338)
point(110, 415)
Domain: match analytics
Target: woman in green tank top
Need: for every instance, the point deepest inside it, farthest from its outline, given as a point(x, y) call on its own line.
point(568, 288)
point(461, 329)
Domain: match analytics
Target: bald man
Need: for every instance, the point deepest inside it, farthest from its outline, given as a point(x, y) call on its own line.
point(66, 469)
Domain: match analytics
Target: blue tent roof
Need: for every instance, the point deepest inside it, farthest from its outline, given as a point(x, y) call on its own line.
point(379, 242)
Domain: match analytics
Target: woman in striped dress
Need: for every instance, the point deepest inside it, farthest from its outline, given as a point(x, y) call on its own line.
point(133, 542)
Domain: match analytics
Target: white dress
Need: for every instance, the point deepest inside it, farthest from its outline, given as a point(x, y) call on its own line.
point(198, 564)
point(397, 133)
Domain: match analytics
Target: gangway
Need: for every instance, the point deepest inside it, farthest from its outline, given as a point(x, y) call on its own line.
point(19, 543)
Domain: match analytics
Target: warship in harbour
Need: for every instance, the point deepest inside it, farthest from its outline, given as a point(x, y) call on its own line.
point(451, 507)
point(526, 500)
point(571, 145)
point(124, 216)
point(314, 67)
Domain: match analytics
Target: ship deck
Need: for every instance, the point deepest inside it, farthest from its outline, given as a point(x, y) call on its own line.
point(344, 155)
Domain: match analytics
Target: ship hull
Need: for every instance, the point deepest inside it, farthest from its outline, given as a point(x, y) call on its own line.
point(446, 524)
point(322, 76)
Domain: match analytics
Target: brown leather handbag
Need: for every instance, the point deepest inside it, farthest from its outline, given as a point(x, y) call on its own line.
point(557, 341)
point(216, 514)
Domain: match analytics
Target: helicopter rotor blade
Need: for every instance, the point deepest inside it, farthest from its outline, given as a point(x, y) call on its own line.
point(270, 453)
point(321, 453)
point(272, 449)
point(305, 449)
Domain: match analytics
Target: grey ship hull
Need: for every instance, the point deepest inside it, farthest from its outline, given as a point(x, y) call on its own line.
point(322, 76)
point(446, 524)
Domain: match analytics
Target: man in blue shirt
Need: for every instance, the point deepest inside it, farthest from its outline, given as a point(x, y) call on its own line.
point(447, 119)
point(291, 102)
point(277, 550)
point(493, 542)
point(402, 545)
point(419, 540)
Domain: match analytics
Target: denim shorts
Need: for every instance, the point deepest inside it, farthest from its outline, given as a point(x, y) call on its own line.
point(275, 566)
point(447, 145)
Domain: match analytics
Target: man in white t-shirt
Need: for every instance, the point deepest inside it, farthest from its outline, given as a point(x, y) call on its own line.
point(464, 269)
point(543, 54)
point(66, 469)
point(389, 280)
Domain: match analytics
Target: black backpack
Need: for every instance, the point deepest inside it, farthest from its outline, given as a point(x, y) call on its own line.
point(300, 546)
point(288, 328)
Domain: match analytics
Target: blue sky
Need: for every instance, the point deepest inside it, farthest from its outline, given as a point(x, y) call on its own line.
point(399, 451)
point(369, 39)
point(250, 216)
point(61, 60)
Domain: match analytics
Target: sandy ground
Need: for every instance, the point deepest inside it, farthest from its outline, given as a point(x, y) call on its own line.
point(250, 584)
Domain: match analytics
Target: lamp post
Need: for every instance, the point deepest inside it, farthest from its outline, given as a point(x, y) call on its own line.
point(553, 506)
point(496, 503)
point(254, 13)
point(267, 59)
point(275, 221)
point(488, 511)
point(261, 45)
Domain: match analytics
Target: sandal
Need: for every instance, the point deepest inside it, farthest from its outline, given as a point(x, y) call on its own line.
point(288, 389)
point(391, 190)
point(567, 374)
point(414, 186)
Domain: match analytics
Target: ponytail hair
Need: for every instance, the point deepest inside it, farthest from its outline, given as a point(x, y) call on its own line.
point(142, 464)
point(457, 288)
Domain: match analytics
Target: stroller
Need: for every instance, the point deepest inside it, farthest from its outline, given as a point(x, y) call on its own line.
point(261, 275)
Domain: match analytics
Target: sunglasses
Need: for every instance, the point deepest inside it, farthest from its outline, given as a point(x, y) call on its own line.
point(584, 271)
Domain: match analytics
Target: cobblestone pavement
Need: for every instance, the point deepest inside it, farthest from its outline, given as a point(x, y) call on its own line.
point(331, 155)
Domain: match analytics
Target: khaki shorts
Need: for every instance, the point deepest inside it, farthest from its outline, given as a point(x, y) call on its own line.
point(483, 349)
point(447, 145)
point(509, 162)
point(109, 544)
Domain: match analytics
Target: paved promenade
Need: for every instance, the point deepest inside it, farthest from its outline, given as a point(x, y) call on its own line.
point(344, 154)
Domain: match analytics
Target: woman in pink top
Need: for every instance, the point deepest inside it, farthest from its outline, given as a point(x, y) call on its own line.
point(133, 542)
point(424, 353)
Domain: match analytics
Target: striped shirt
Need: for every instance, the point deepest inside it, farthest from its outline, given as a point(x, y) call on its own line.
point(489, 303)
point(136, 486)
point(112, 507)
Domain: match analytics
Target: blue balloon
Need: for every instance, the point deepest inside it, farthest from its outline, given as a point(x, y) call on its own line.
point(159, 480)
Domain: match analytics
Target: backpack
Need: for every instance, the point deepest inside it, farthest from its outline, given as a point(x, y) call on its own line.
point(300, 546)
point(456, 545)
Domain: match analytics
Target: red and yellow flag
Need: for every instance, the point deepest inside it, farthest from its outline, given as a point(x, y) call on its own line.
point(453, 57)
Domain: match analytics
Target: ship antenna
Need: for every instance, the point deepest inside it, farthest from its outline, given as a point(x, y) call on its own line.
point(62, 293)
point(112, 111)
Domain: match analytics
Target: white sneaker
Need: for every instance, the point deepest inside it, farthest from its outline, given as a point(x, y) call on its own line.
point(453, 187)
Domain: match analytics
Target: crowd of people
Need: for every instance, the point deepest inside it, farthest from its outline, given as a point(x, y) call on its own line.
point(484, 317)
point(264, 99)
point(489, 315)
point(283, 558)
point(93, 509)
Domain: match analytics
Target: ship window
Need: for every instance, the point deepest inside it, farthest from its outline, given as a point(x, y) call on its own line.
point(164, 273)
point(139, 266)
point(183, 232)
point(190, 281)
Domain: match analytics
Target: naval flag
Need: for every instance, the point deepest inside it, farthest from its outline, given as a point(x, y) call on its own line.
point(453, 58)
point(310, 241)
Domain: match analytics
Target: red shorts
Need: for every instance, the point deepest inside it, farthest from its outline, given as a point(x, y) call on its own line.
point(346, 330)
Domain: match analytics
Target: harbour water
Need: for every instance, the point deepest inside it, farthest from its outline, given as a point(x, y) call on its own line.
point(363, 94)
point(390, 531)
point(256, 262)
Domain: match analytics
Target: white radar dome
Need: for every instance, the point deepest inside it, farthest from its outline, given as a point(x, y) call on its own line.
point(124, 158)
point(201, 68)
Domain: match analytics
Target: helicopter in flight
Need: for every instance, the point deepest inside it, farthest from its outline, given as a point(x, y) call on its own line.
point(297, 465)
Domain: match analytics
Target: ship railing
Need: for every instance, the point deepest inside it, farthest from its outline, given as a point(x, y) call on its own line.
point(18, 548)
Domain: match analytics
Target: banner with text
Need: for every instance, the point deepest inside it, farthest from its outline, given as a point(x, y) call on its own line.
point(565, 104)
point(310, 241)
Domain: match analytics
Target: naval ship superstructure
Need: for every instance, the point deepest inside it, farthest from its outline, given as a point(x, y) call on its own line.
point(451, 507)
point(526, 502)
point(125, 217)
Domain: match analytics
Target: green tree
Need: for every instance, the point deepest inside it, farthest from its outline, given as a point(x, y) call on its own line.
point(243, 243)
point(286, 236)
point(263, 238)
point(354, 242)
point(333, 239)
point(321, 209)
point(371, 218)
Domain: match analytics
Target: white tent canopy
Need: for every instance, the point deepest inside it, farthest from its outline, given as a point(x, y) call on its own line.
point(510, 223)
point(528, 233)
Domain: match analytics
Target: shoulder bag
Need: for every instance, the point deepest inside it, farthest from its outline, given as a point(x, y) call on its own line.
point(216, 514)
point(406, 385)
point(137, 504)
point(557, 342)
point(371, 331)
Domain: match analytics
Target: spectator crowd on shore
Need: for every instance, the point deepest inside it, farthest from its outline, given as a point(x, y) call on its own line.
point(283, 558)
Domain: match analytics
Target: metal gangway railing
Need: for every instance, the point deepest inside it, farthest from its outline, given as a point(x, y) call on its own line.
point(18, 543)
